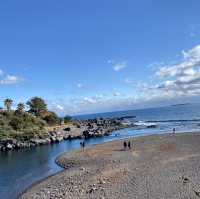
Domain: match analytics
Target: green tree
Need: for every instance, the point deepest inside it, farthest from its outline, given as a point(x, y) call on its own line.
point(67, 119)
point(37, 105)
point(20, 107)
point(51, 118)
point(8, 103)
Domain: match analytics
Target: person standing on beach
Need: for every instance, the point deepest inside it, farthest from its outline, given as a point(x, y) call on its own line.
point(83, 145)
point(125, 145)
point(174, 130)
point(129, 145)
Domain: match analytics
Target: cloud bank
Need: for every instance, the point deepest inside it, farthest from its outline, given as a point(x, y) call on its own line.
point(182, 78)
point(175, 83)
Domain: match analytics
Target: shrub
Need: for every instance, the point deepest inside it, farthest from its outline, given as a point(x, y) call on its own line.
point(51, 118)
point(67, 119)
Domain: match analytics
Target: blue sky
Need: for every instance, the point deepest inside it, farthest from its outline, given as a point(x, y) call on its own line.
point(95, 56)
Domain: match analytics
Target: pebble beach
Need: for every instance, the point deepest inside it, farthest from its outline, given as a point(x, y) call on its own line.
point(157, 166)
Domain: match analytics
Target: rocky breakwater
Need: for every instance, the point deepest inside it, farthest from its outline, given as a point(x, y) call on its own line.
point(102, 126)
point(51, 138)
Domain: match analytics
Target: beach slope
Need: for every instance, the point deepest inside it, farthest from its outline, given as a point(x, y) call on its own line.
point(158, 166)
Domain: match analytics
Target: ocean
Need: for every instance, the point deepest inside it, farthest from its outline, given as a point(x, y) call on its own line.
point(183, 117)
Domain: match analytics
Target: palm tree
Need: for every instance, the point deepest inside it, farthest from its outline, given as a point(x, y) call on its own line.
point(8, 103)
point(20, 107)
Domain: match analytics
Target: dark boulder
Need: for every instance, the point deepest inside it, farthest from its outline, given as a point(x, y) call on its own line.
point(67, 129)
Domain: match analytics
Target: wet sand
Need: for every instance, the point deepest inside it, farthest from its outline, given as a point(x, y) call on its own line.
point(158, 166)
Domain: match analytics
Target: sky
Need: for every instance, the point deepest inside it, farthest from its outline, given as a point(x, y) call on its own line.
point(99, 56)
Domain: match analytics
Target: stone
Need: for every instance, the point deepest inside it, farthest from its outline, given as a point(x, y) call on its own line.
point(101, 181)
point(82, 169)
point(59, 138)
point(185, 180)
point(196, 190)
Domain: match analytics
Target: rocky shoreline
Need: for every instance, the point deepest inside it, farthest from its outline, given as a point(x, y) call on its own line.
point(158, 166)
point(79, 129)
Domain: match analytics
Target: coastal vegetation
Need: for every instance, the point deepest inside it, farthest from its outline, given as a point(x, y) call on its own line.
point(32, 124)
point(27, 121)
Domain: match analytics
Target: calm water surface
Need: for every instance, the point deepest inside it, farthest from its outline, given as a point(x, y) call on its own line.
point(19, 169)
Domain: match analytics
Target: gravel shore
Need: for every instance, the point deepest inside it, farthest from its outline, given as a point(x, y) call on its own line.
point(160, 166)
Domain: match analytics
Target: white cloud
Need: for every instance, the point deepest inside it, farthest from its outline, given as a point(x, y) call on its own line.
point(115, 94)
point(129, 81)
point(92, 105)
point(89, 99)
point(7, 79)
point(93, 99)
point(79, 85)
point(60, 107)
point(119, 66)
point(155, 65)
point(181, 79)
point(187, 66)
